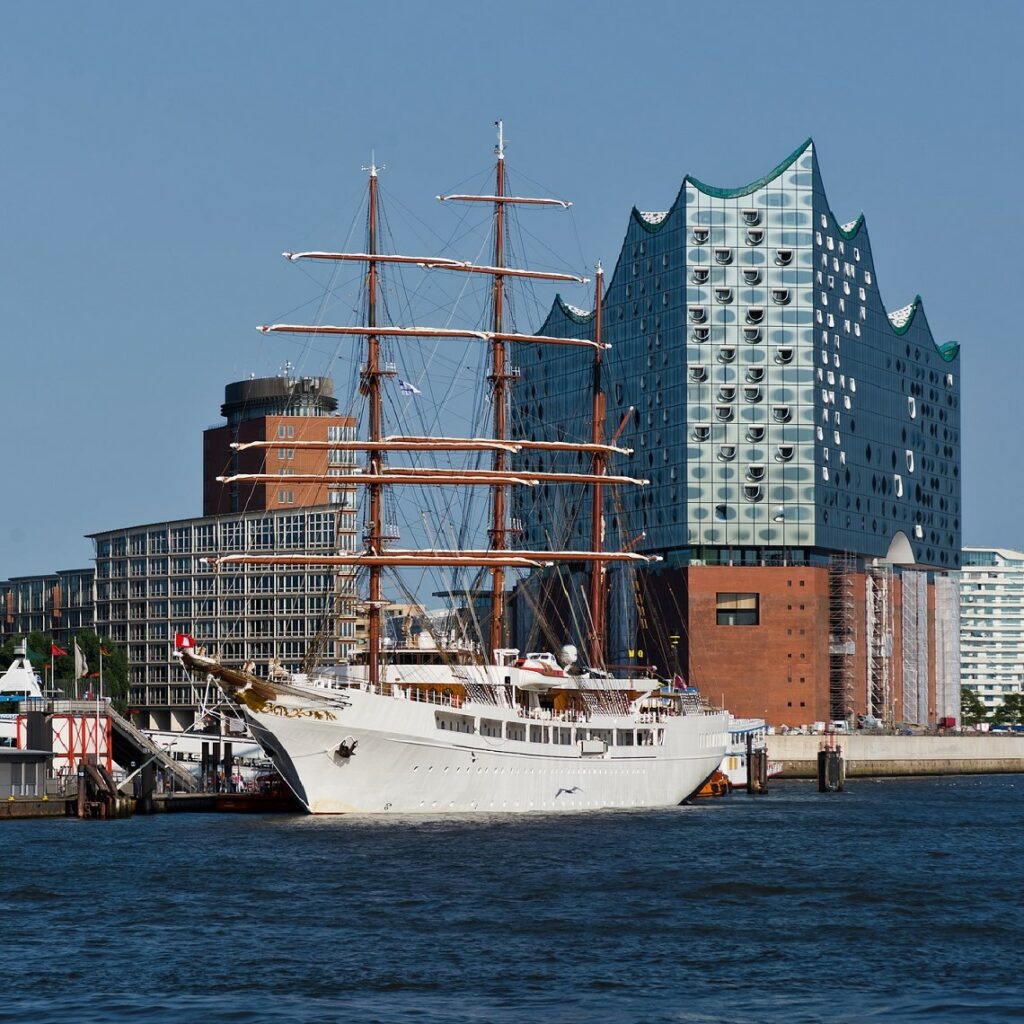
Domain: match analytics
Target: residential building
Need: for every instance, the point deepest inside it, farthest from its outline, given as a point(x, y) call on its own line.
point(803, 451)
point(992, 623)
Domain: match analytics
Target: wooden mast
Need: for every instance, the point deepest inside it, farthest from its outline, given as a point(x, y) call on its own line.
point(598, 571)
point(371, 384)
point(499, 395)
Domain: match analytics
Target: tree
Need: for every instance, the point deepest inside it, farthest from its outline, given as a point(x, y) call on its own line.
point(972, 711)
point(115, 663)
point(115, 666)
point(1013, 708)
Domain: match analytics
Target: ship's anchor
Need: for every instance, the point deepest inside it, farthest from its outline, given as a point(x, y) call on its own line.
point(347, 747)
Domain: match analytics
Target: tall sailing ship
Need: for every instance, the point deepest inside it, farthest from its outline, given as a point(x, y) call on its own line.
point(460, 727)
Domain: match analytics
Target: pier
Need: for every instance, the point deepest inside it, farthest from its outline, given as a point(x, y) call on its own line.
point(874, 756)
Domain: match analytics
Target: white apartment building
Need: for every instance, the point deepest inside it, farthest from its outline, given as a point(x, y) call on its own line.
point(992, 623)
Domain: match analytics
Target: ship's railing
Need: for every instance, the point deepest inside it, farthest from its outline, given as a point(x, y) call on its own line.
point(595, 706)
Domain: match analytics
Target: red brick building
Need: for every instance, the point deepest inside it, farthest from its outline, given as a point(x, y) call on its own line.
point(281, 409)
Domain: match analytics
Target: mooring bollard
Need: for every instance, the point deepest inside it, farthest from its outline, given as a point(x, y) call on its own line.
point(831, 769)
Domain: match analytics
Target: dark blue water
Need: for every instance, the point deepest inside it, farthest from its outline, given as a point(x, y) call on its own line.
point(893, 901)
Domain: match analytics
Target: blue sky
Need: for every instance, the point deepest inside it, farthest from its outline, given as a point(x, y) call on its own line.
point(159, 157)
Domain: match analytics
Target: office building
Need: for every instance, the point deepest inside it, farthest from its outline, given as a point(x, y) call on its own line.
point(59, 604)
point(286, 410)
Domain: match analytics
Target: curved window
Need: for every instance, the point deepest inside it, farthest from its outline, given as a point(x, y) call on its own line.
point(701, 235)
point(912, 407)
point(723, 256)
point(726, 354)
point(782, 413)
point(701, 432)
point(910, 461)
point(755, 472)
point(701, 333)
point(701, 275)
point(698, 374)
point(755, 433)
point(784, 453)
point(723, 413)
point(780, 296)
point(721, 512)
point(723, 295)
point(753, 492)
point(755, 374)
point(727, 453)
point(783, 257)
point(751, 334)
point(755, 314)
point(755, 236)
point(751, 392)
point(698, 314)
point(751, 216)
point(897, 485)
point(784, 355)
point(824, 473)
point(751, 275)
point(727, 392)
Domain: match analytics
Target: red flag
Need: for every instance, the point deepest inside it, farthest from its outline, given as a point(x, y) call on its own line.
point(58, 652)
point(678, 682)
point(184, 642)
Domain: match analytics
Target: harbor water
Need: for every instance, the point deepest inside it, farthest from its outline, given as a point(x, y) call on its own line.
point(895, 900)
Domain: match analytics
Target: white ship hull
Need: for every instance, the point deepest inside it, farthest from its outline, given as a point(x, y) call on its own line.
point(404, 760)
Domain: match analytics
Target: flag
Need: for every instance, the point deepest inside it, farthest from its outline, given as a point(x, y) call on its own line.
point(58, 652)
point(104, 653)
point(183, 642)
point(678, 682)
point(81, 665)
point(407, 388)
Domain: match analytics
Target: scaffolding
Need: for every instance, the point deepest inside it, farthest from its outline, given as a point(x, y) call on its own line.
point(842, 635)
point(879, 621)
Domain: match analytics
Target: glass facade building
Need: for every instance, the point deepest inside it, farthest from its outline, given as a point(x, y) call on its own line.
point(802, 447)
point(777, 404)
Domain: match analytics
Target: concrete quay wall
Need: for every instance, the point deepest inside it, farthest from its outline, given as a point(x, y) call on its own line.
point(869, 755)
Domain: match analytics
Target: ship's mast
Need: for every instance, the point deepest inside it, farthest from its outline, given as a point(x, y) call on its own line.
point(598, 572)
point(499, 394)
point(371, 385)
